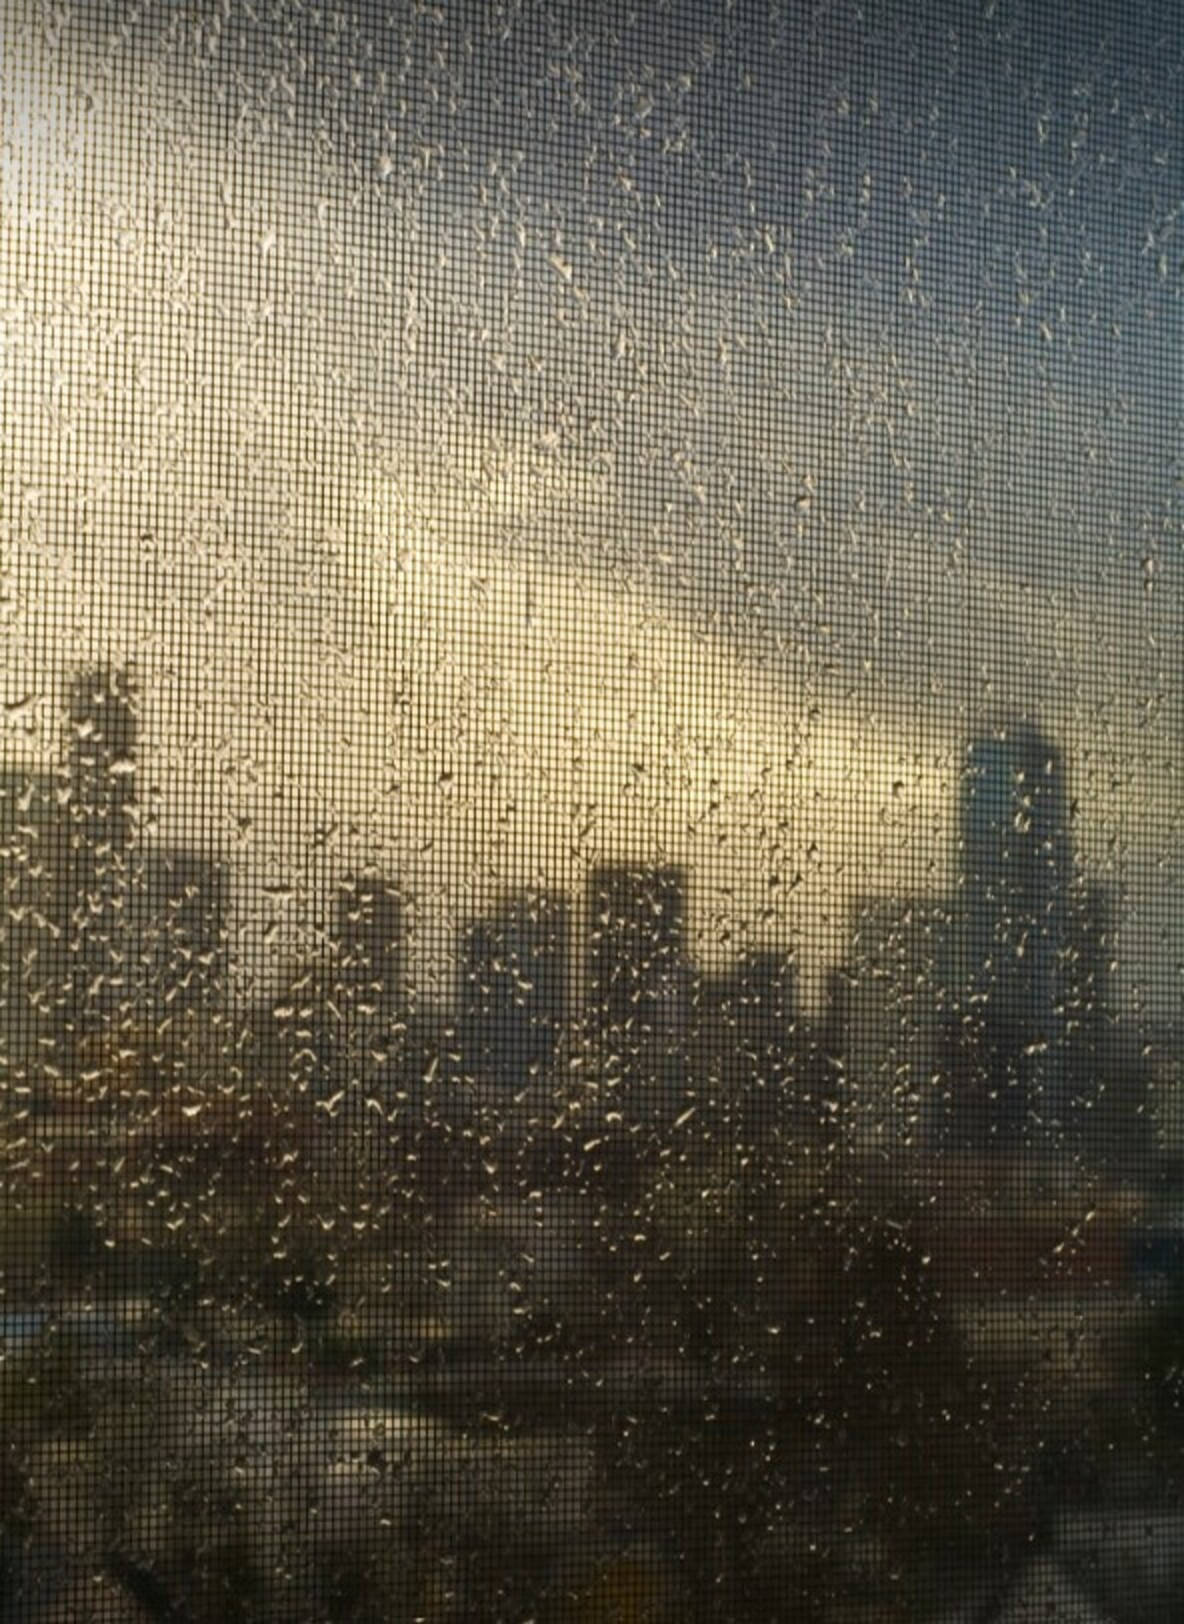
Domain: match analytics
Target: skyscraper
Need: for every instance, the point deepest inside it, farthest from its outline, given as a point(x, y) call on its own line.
point(513, 985)
point(96, 871)
point(752, 1026)
point(367, 976)
point(332, 1022)
point(100, 750)
point(900, 997)
point(368, 936)
point(30, 940)
point(1089, 996)
point(638, 986)
point(181, 930)
point(1015, 882)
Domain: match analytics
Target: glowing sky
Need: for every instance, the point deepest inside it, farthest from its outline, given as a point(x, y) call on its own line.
point(500, 445)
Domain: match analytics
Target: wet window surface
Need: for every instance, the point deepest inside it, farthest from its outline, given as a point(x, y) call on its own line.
point(591, 994)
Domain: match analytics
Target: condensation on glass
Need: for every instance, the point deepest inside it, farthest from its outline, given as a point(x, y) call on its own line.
point(591, 837)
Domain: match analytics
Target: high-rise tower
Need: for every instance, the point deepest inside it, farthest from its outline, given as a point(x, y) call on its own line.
point(30, 940)
point(181, 930)
point(899, 1003)
point(96, 877)
point(368, 934)
point(368, 976)
point(751, 1028)
point(1015, 874)
point(513, 985)
point(638, 986)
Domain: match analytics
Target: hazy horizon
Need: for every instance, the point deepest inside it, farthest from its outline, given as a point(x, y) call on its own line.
point(482, 512)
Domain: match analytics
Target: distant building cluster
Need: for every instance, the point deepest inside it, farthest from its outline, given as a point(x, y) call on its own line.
point(987, 1019)
point(100, 932)
point(981, 1020)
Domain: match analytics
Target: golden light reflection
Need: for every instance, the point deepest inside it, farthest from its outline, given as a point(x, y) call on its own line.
point(374, 617)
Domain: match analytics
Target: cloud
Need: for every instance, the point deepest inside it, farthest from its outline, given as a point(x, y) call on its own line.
point(482, 512)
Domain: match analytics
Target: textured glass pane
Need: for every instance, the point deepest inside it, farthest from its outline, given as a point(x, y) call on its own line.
point(591, 838)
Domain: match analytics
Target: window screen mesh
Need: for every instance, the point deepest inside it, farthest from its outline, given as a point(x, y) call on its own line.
point(590, 812)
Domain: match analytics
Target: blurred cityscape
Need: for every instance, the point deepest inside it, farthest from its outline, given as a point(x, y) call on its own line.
point(613, 1290)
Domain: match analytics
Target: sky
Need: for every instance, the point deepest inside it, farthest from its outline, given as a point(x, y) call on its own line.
point(502, 440)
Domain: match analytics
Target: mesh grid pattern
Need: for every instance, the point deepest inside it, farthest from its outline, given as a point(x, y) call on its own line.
point(590, 821)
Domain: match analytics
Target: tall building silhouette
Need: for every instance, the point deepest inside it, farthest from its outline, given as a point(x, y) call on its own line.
point(180, 928)
point(368, 933)
point(96, 873)
point(638, 997)
point(332, 1021)
point(100, 751)
point(366, 991)
point(900, 997)
point(31, 963)
point(512, 994)
point(753, 1018)
point(1089, 994)
point(1108, 1073)
point(1015, 889)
